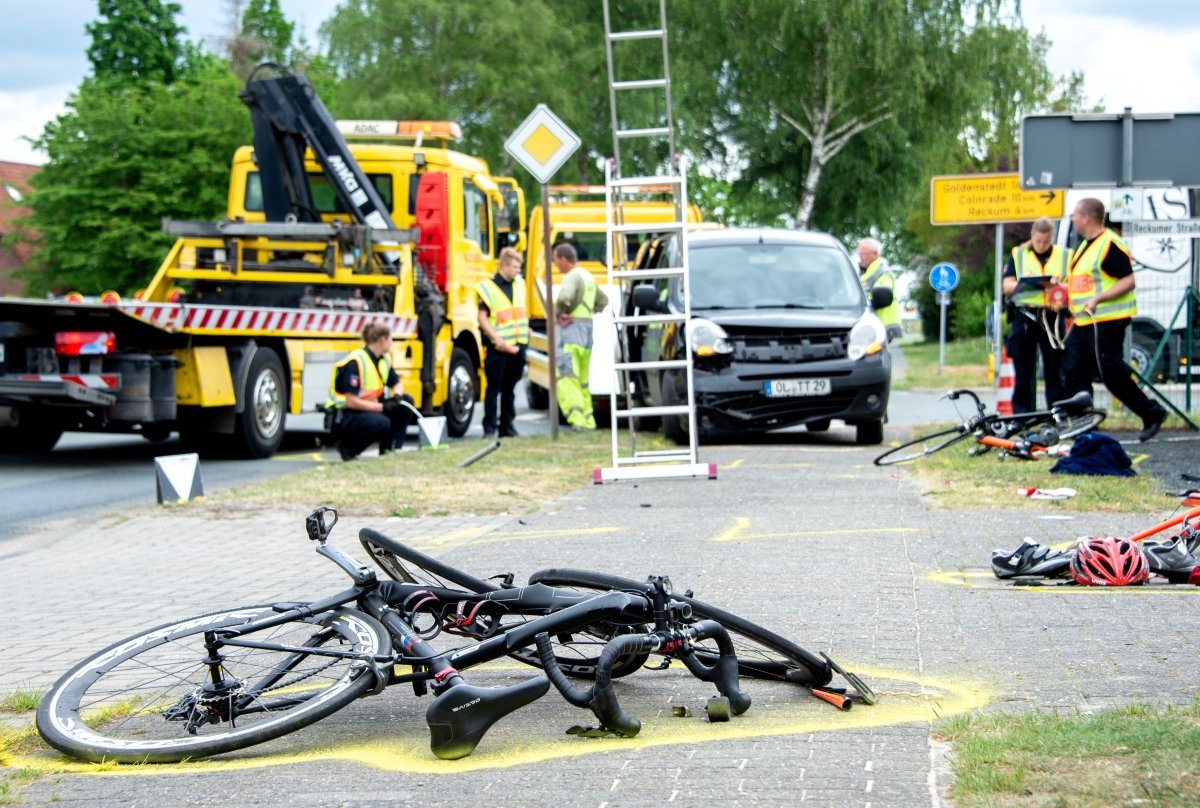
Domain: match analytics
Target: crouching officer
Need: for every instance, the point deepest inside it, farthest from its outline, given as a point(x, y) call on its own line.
point(358, 411)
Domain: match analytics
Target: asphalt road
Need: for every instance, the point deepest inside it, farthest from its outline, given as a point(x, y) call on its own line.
point(104, 473)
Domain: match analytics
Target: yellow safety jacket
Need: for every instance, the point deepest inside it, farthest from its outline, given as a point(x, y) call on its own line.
point(587, 304)
point(1027, 266)
point(506, 316)
point(372, 375)
point(1086, 280)
point(876, 275)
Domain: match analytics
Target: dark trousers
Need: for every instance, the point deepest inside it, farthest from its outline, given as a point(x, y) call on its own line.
point(503, 371)
point(1026, 339)
point(1102, 347)
point(359, 430)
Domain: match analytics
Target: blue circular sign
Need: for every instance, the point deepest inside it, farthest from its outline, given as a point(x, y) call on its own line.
point(943, 277)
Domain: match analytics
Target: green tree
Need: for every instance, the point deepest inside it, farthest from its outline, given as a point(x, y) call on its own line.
point(137, 40)
point(260, 33)
point(794, 84)
point(121, 159)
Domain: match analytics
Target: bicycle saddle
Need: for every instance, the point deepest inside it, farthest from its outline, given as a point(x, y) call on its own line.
point(1031, 558)
point(459, 718)
point(1077, 403)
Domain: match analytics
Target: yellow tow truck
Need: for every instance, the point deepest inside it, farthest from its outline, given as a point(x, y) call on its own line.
point(243, 321)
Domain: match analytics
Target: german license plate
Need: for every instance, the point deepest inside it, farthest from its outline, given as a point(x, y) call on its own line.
point(784, 388)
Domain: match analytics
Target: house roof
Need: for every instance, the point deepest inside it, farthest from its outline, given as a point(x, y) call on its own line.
point(14, 186)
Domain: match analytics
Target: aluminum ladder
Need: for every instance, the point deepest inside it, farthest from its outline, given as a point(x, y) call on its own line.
point(636, 464)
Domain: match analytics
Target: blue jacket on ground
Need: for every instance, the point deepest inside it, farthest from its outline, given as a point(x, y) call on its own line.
point(1096, 454)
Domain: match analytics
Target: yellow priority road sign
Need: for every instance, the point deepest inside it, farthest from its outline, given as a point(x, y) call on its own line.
point(989, 199)
point(542, 143)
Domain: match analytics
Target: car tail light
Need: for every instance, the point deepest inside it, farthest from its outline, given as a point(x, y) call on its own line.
point(85, 343)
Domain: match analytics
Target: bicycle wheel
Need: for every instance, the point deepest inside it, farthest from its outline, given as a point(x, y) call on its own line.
point(577, 653)
point(1072, 426)
point(762, 654)
point(150, 698)
point(403, 563)
point(922, 447)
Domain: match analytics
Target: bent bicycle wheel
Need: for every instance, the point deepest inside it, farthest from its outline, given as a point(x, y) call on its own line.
point(577, 653)
point(151, 698)
point(922, 447)
point(761, 653)
point(403, 563)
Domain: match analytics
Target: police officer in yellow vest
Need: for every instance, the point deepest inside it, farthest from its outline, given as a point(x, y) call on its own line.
point(1101, 283)
point(505, 326)
point(359, 410)
point(879, 286)
point(1033, 268)
point(579, 297)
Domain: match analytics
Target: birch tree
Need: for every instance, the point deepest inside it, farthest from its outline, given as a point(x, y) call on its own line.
point(820, 74)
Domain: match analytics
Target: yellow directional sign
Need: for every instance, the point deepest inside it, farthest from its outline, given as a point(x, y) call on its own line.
point(990, 199)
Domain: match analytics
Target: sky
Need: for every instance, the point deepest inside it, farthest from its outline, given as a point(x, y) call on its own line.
point(1142, 55)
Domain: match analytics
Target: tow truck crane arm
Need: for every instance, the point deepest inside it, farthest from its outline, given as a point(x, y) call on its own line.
point(287, 116)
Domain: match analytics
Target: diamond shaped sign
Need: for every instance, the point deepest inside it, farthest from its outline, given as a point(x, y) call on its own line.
point(542, 143)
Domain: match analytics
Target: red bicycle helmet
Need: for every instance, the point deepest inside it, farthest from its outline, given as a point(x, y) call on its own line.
point(1108, 561)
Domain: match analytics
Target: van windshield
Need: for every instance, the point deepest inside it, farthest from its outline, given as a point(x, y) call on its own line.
point(758, 276)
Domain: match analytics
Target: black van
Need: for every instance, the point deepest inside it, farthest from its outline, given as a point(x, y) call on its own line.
point(781, 331)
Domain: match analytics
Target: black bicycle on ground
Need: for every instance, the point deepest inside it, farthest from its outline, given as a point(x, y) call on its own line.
point(1028, 435)
point(233, 678)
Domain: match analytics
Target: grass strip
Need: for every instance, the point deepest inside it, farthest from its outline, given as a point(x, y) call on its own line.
point(518, 478)
point(966, 365)
point(1135, 755)
point(953, 478)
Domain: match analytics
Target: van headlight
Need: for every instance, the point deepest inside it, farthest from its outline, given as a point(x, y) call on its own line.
point(708, 338)
point(868, 336)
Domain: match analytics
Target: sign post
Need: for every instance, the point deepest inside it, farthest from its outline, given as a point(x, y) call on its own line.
point(943, 278)
point(542, 143)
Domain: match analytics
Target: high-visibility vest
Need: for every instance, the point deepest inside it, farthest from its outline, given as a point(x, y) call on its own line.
point(587, 304)
point(1086, 280)
point(876, 275)
point(372, 377)
point(1027, 266)
point(507, 317)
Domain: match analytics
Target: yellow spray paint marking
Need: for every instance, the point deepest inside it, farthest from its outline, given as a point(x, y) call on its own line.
point(293, 457)
point(740, 523)
point(736, 464)
point(904, 698)
point(979, 579)
point(1139, 458)
point(737, 532)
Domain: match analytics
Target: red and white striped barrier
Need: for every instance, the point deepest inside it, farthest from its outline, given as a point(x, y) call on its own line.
point(1008, 381)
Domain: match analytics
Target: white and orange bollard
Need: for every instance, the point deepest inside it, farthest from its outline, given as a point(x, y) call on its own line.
point(1007, 382)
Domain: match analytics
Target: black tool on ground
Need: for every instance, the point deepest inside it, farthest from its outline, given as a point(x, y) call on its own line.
point(867, 694)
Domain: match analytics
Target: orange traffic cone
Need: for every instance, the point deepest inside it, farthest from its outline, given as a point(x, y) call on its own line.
point(1007, 381)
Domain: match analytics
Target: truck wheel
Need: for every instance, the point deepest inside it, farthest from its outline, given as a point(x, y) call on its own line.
point(460, 393)
point(1140, 354)
point(538, 398)
point(259, 428)
point(29, 438)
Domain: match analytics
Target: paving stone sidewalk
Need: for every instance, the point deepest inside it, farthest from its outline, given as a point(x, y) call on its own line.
point(812, 541)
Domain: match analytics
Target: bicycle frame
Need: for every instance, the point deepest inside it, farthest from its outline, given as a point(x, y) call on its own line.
point(454, 735)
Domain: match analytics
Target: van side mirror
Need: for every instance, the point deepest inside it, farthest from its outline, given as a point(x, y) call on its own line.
point(881, 297)
point(645, 297)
